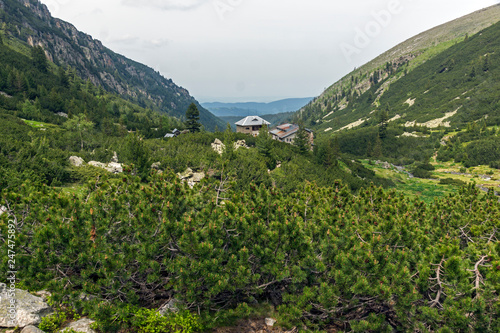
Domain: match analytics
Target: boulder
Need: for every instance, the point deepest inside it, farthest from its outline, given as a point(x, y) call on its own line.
point(82, 325)
point(114, 167)
point(170, 306)
point(29, 309)
point(44, 294)
point(76, 161)
point(87, 297)
point(97, 164)
point(31, 329)
point(218, 146)
point(270, 322)
point(156, 166)
point(384, 164)
point(114, 159)
point(186, 174)
point(240, 144)
point(197, 177)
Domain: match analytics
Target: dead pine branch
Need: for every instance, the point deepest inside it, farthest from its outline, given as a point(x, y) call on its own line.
point(465, 234)
point(478, 278)
point(492, 237)
point(438, 286)
point(360, 238)
point(221, 188)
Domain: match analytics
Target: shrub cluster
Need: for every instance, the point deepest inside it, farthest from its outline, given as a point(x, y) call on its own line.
point(324, 257)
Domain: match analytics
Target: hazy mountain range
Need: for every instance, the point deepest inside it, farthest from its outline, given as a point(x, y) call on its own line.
point(253, 108)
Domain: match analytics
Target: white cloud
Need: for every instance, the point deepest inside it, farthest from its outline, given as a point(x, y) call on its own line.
point(156, 43)
point(166, 4)
point(124, 39)
point(262, 49)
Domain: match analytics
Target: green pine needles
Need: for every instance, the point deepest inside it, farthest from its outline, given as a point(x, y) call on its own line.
point(322, 256)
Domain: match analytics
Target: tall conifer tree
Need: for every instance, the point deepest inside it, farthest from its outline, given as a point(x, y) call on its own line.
point(192, 118)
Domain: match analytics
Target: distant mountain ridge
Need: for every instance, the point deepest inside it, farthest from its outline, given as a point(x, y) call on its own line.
point(31, 23)
point(253, 108)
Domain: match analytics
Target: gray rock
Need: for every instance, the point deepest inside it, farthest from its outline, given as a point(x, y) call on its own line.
point(218, 146)
point(44, 294)
point(385, 165)
point(399, 168)
point(31, 329)
point(114, 159)
point(3, 209)
point(83, 325)
point(170, 306)
point(76, 161)
point(240, 144)
point(114, 167)
point(186, 174)
point(62, 114)
point(156, 165)
point(86, 297)
point(197, 177)
point(29, 309)
point(97, 164)
point(270, 322)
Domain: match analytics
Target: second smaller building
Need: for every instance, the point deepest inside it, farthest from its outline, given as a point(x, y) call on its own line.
point(288, 132)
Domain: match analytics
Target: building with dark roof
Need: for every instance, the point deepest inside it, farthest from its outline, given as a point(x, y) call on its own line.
point(287, 133)
point(174, 133)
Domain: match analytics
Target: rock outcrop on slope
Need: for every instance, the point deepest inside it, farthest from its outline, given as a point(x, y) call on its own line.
point(113, 167)
point(31, 22)
point(82, 325)
point(27, 309)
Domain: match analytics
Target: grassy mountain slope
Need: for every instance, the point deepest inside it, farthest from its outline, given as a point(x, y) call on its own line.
point(389, 67)
point(48, 114)
point(455, 87)
point(435, 37)
point(446, 108)
point(28, 22)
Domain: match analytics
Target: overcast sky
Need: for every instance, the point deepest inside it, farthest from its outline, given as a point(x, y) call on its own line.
point(256, 50)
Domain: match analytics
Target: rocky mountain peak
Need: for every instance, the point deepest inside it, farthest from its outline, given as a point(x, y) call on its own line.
point(38, 8)
point(31, 22)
